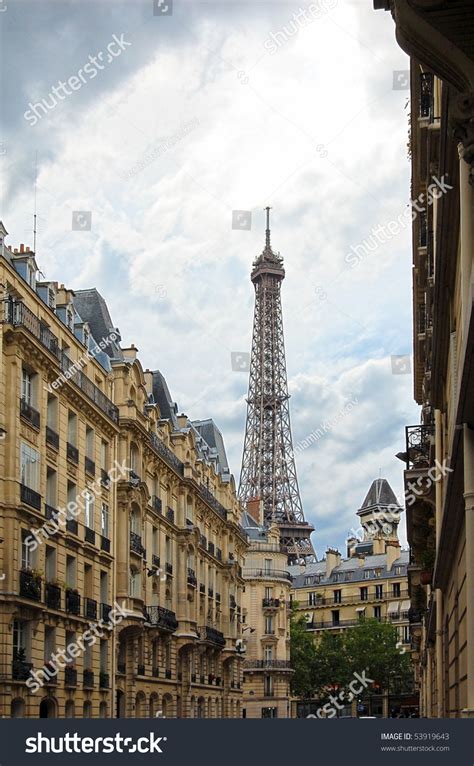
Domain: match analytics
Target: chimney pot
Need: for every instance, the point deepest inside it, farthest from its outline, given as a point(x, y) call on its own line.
point(22, 248)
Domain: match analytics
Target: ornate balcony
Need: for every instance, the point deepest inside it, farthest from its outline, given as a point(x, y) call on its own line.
point(166, 454)
point(28, 413)
point(104, 680)
point(105, 610)
point(136, 544)
point(156, 504)
point(52, 438)
point(72, 526)
point(271, 603)
point(170, 514)
point(89, 466)
point(90, 608)
point(160, 617)
point(72, 453)
point(30, 585)
point(105, 544)
point(104, 479)
point(52, 596)
point(50, 512)
point(169, 569)
point(209, 498)
point(30, 497)
point(192, 577)
point(419, 446)
point(89, 535)
point(267, 664)
point(267, 574)
point(21, 670)
point(73, 602)
point(212, 636)
point(70, 676)
point(155, 560)
point(88, 679)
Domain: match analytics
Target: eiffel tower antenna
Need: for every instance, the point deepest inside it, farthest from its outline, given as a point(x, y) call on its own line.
point(34, 214)
point(268, 472)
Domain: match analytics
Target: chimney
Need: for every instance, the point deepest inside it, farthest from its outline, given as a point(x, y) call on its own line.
point(130, 354)
point(22, 248)
point(148, 375)
point(378, 545)
point(255, 509)
point(182, 420)
point(392, 549)
point(333, 559)
point(351, 544)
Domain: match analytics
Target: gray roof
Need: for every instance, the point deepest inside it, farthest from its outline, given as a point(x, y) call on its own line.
point(300, 574)
point(211, 434)
point(92, 309)
point(163, 398)
point(380, 493)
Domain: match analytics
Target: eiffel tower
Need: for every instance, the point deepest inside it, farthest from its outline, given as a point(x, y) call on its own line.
point(268, 474)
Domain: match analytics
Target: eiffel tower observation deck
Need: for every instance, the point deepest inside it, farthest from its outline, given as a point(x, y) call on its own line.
point(268, 477)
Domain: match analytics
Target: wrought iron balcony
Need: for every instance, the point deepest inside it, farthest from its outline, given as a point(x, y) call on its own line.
point(210, 592)
point(72, 453)
point(426, 96)
point(271, 603)
point(136, 544)
point(169, 569)
point(30, 586)
point(203, 541)
point(156, 503)
point(162, 618)
point(52, 438)
point(134, 478)
point(170, 514)
point(88, 679)
point(105, 544)
point(202, 588)
point(89, 535)
point(267, 664)
point(21, 670)
point(271, 574)
point(28, 413)
point(30, 497)
point(168, 674)
point(166, 454)
point(211, 635)
point(419, 446)
point(89, 466)
point(73, 602)
point(121, 667)
point(104, 479)
point(70, 676)
point(105, 610)
point(90, 608)
point(155, 560)
point(19, 315)
point(155, 671)
point(52, 596)
point(140, 670)
point(211, 548)
point(212, 502)
point(50, 512)
point(192, 577)
point(104, 680)
point(218, 554)
point(72, 526)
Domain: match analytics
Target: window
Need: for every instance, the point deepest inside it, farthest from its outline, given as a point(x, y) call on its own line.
point(90, 452)
point(268, 593)
point(312, 598)
point(269, 712)
point(104, 587)
point(367, 574)
point(134, 522)
point(51, 483)
point(335, 617)
point(268, 653)
point(154, 541)
point(337, 596)
point(49, 642)
point(71, 498)
point(19, 639)
point(104, 520)
point(134, 458)
point(269, 625)
point(89, 509)
point(268, 686)
point(267, 566)
point(70, 572)
point(134, 583)
point(364, 593)
point(104, 456)
point(377, 612)
point(29, 469)
point(72, 428)
point(28, 387)
point(379, 591)
point(50, 563)
point(104, 655)
point(398, 570)
point(338, 577)
point(406, 634)
point(27, 556)
point(52, 413)
point(396, 589)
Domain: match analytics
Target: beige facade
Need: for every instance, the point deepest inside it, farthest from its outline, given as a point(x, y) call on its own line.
point(439, 453)
point(266, 630)
point(129, 602)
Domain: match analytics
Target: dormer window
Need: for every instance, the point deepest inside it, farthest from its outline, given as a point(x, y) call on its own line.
point(86, 338)
point(51, 299)
point(69, 319)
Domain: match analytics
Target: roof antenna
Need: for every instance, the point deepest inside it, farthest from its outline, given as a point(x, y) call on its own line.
point(34, 215)
point(267, 232)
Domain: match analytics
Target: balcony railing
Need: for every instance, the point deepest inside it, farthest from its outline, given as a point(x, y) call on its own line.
point(272, 574)
point(21, 670)
point(140, 670)
point(426, 95)
point(356, 598)
point(104, 479)
point(419, 440)
point(169, 569)
point(162, 618)
point(268, 664)
point(270, 603)
point(168, 674)
point(72, 526)
point(155, 560)
point(50, 512)
point(136, 544)
point(73, 602)
point(105, 610)
point(89, 535)
point(104, 680)
point(202, 587)
point(212, 501)
point(90, 608)
point(170, 514)
point(166, 454)
point(192, 577)
point(156, 503)
point(88, 679)
point(52, 596)
point(211, 635)
point(29, 413)
point(20, 315)
point(30, 497)
point(70, 676)
point(52, 438)
point(105, 544)
point(211, 548)
point(30, 586)
point(72, 453)
point(89, 465)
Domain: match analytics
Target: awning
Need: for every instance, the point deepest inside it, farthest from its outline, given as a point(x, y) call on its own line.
point(361, 609)
point(405, 605)
point(394, 607)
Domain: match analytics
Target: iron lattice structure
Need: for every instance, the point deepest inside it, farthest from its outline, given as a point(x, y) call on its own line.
point(268, 464)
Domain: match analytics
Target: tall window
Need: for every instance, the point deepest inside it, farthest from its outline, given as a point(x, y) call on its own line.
point(269, 625)
point(134, 583)
point(72, 428)
point(50, 563)
point(364, 592)
point(27, 556)
point(104, 456)
point(377, 612)
point(49, 642)
point(134, 522)
point(29, 467)
point(337, 596)
point(396, 589)
point(104, 520)
point(28, 387)
point(52, 413)
point(19, 639)
point(89, 510)
point(335, 617)
point(268, 653)
point(312, 598)
point(268, 686)
point(379, 591)
point(104, 655)
point(90, 443)
point(51, 483)
point(267, 566)
point(70, 572)
point(134, 458)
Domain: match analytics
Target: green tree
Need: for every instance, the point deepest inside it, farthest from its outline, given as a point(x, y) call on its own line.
point(302, 657)
point(372, 646)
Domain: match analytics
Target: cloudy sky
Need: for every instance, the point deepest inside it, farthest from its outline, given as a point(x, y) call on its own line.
point(208, 108)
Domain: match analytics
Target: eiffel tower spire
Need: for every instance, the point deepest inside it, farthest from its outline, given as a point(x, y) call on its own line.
point(268, 470)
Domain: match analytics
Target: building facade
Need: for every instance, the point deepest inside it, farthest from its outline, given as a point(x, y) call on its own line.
point(121, 544)
point(371, 582)
point(439, 451)
point(266, 630)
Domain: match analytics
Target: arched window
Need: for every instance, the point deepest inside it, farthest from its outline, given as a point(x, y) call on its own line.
point(103, 709)
point(134, 458)
point(69, 710)
point(18, 708)
point(87, 709)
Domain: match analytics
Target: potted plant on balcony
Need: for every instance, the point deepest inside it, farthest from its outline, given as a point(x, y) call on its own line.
point(427, 563)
